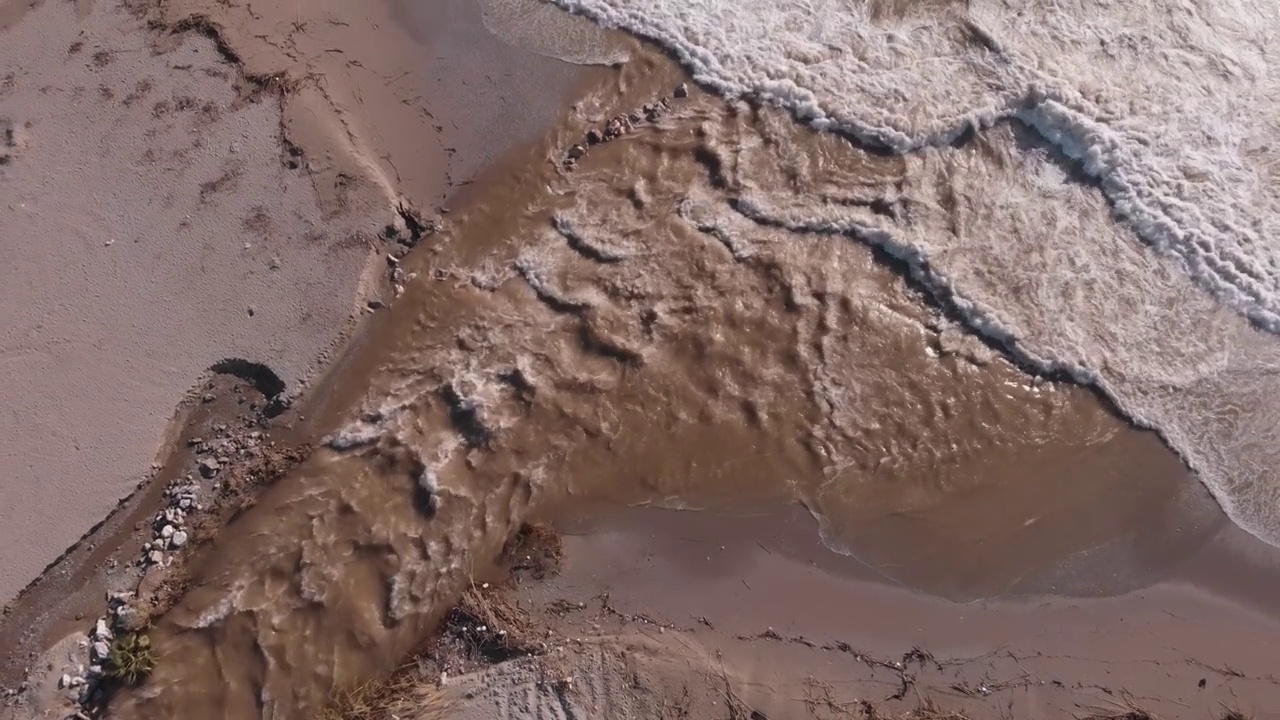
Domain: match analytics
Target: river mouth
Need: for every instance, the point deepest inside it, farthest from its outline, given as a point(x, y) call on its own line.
point(608, 326)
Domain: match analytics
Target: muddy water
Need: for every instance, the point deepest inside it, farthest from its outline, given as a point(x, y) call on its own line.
point(627, 332)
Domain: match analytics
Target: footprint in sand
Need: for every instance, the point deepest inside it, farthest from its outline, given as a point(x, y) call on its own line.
point(10, 140)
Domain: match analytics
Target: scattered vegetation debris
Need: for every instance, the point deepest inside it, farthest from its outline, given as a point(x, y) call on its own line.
point(406, 695)
point(536, 551)
point(491, 628)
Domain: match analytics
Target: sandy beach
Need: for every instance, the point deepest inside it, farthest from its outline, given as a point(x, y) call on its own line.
point(443, 358)
point(152, 230)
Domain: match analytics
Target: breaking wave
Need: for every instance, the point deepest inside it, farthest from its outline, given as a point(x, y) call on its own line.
point(1028, 131)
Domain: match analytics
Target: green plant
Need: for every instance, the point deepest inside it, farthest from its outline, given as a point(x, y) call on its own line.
point(132, 658)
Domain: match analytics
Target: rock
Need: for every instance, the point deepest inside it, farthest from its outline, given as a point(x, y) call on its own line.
point(208, 397)
point(101, 631)
point(208, 467)
point(156, 557)
point(130, 619)
point(184, 503)
point(635, 118)
point(100, 650)
point(576, 152)
point(682, 90)
point(76, 681)
point(64, 681)
point(594, 137)
point(167, 531)
point(179, 539)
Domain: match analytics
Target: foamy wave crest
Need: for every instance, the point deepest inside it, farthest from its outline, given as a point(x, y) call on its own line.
point(1033, 259)
point(1170, 107)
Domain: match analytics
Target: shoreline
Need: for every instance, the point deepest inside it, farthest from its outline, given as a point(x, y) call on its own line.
point(761, 592)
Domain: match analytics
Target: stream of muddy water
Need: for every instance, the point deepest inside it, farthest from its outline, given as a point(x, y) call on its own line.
point(636, 329)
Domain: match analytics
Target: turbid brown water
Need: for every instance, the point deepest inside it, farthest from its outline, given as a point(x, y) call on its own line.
point(629, 331)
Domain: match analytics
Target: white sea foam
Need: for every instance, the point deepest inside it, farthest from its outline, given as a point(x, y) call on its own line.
point(1168, 107)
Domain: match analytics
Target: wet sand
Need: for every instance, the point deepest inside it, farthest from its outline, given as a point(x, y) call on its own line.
point(696, 601)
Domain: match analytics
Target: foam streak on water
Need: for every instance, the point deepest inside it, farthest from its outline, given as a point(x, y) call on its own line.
point(1159, 113)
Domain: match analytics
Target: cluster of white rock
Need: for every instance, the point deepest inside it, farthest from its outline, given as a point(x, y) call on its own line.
point(170, 533)
point(84, 683)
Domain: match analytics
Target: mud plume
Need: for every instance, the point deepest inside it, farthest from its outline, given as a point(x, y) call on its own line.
point(633, 329)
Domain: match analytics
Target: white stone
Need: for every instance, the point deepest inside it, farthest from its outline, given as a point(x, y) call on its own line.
point(101, 650)
point(179, 539)
point(167, 531)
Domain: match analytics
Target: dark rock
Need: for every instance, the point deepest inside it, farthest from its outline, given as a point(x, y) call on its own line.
point(594, 137)
point(682, 90)
point(576, 152)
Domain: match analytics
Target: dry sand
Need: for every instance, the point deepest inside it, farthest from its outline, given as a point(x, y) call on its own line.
point(150, 229)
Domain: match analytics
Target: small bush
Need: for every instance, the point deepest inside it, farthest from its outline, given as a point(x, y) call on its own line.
point(132, 659)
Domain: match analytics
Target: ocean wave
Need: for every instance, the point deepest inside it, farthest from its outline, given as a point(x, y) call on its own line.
point(1167, 106)
point(1031, 116)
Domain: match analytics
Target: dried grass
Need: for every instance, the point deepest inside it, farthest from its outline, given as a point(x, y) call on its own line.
point(406, 695)
point(494, 627)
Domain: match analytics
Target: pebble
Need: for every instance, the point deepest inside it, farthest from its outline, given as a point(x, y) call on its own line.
point(179, 539)
point(682, 90)
point(64, 681)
